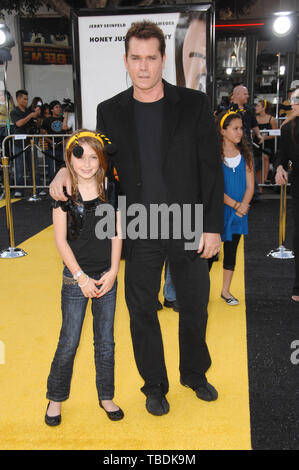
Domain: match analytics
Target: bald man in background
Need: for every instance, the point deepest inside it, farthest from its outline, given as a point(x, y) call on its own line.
point(239, 101)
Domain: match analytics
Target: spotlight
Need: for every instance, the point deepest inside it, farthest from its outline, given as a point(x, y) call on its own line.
point(282, 25)
point(2, 37)
point(229, 70)
point(6, 41)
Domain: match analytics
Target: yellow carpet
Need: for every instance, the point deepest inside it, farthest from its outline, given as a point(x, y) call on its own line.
point(30, 324)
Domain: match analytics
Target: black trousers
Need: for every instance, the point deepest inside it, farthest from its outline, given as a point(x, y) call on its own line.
point(229, 253)
point(142, 285)
point(295, 208)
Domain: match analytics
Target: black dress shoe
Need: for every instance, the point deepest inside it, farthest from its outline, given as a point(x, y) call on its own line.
point(172, 304)
point(52, 420)
point(156, 403)
point(114, 415)
point(204, 391)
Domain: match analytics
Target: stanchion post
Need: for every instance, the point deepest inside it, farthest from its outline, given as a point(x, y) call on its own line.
point(10, 252)
point(281, 252)
point(34, 196)
point(282, 224)
point(9, 219)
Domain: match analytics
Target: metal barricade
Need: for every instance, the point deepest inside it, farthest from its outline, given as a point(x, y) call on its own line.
point(11, 251)
point(33, 160)
point(33, 147)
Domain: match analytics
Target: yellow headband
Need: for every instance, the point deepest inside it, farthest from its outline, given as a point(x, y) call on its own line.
point(226, 116)
point(99, 137)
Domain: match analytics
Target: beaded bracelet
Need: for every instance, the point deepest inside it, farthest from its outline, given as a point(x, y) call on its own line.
point(84, 285)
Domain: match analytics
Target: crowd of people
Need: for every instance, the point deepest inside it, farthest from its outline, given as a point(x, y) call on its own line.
point(36, 118)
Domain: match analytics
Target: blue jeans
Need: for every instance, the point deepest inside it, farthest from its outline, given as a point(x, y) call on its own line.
point(168, 290)
point(73, 304)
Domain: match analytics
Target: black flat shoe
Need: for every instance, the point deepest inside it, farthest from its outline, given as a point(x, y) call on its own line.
point(204, 391)
point(52, 420)
point(171, 304)
point(114, 415)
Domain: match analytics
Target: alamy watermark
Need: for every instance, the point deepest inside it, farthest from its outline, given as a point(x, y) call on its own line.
point(295, 354)
point(152, 222)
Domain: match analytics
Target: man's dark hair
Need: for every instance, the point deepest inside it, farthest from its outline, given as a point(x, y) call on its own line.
point(53, 103)
point(21, 92)
point(145, 30)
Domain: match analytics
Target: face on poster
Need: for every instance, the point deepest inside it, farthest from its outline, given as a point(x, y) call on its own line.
point(101, 47)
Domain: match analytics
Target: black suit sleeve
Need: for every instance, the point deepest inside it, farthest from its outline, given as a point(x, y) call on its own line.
point(100, 121)
point(210, 171)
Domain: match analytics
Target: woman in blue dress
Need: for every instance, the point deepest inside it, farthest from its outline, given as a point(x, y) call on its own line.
point(238, 192)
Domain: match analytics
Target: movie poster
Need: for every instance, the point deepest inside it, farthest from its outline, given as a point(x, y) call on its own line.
point(99, 63)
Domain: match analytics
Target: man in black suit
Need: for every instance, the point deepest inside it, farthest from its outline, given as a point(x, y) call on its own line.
point(167, 152)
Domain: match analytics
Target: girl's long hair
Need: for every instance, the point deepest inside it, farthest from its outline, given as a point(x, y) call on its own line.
point(100, 175)
point(243, 145)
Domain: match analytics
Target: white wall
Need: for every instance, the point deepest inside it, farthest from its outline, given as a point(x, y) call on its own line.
point(50, 82)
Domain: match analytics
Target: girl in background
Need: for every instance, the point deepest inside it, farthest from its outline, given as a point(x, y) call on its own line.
point(238, 192)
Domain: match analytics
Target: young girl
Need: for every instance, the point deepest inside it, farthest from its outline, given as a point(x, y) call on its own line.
point(91, 266)
point(238, 192)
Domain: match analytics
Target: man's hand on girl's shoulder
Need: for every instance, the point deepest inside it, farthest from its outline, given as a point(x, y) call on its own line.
point(61, 180)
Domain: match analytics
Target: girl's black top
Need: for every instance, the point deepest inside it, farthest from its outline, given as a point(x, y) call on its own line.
point(88, 234)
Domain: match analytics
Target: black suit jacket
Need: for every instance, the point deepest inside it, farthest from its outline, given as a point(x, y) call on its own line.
point(289, 150)
point(192, 164)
